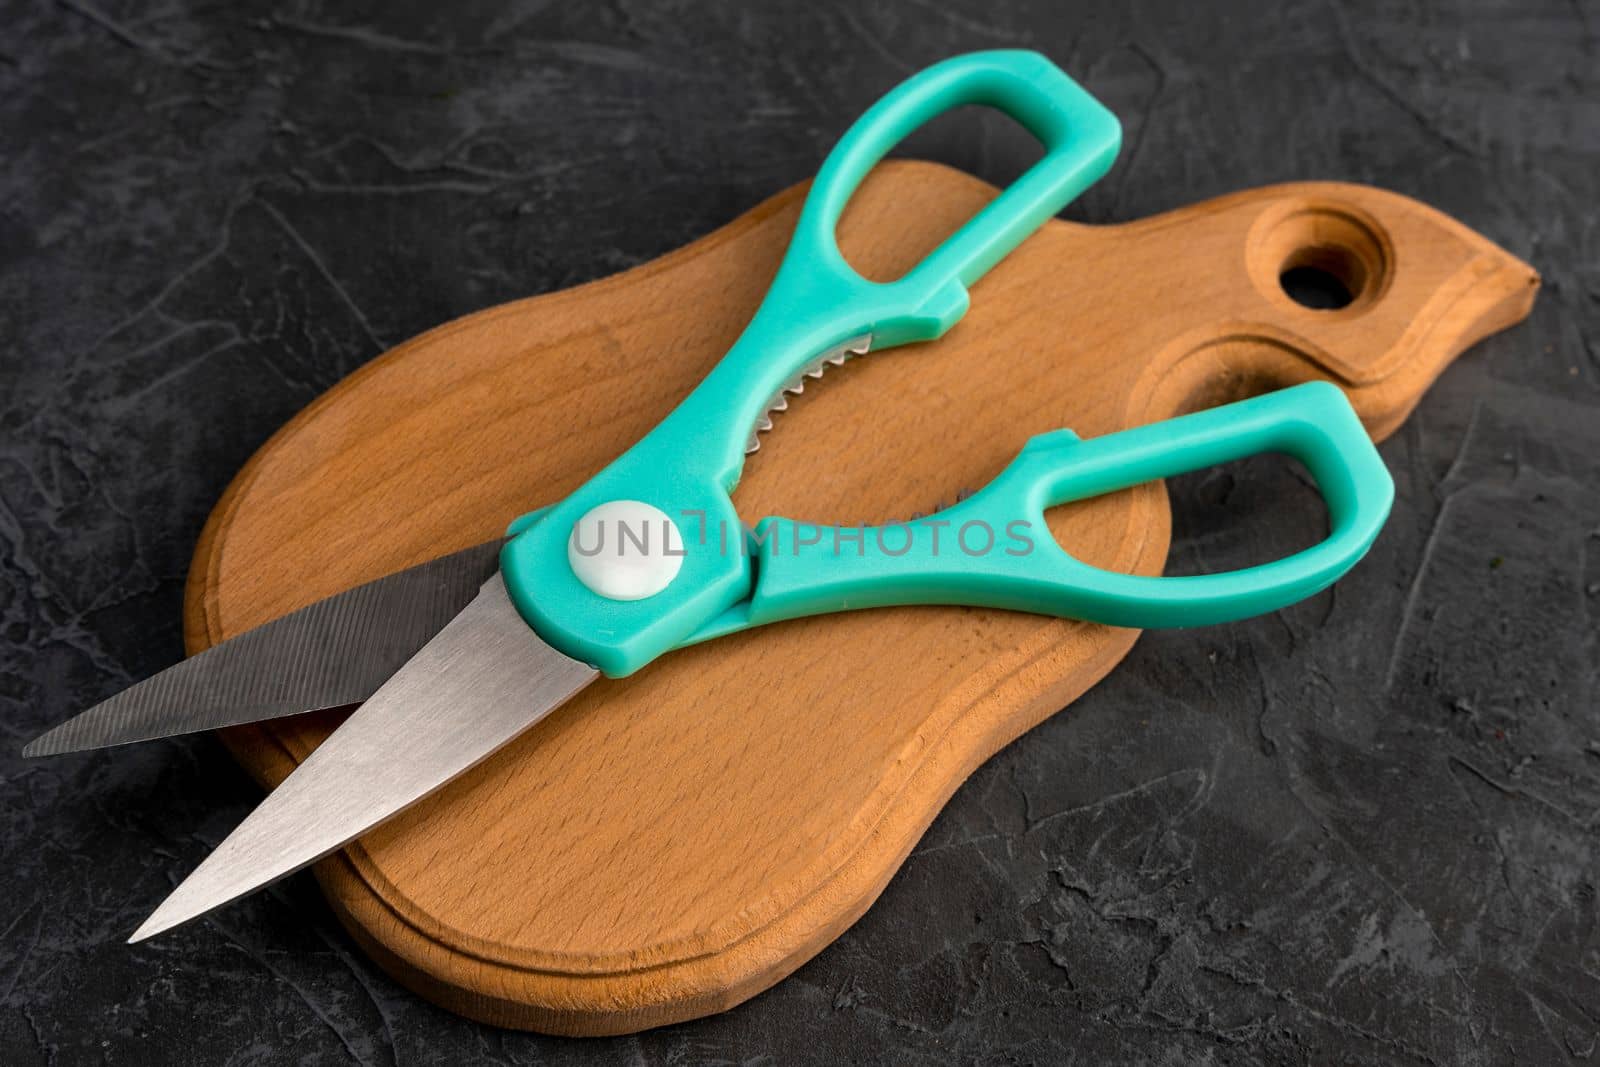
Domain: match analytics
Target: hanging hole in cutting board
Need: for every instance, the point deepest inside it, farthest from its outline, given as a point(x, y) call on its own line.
point(978, 140)
point(1320, 257)
point(1242, 514)
point(1315, 288)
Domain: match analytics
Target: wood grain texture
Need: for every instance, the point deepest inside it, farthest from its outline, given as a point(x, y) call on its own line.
point(668, 845)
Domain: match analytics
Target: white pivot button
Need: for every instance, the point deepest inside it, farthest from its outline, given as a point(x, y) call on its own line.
point(625, 550)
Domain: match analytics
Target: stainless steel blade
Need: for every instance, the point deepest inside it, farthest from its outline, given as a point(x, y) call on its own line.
point(482, 681)
point(334, 652)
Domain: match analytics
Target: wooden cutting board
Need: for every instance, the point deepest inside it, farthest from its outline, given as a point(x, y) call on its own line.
point(666, 846)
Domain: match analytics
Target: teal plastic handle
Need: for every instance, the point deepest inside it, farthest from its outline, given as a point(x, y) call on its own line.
point(1081, 140)
point(689, 463)
point(994, 549)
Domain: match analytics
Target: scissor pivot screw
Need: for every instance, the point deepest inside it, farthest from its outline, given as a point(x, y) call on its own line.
point(625, 550)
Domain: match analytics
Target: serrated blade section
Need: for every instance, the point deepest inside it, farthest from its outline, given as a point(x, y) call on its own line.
point(334, 652)
point(833, 357)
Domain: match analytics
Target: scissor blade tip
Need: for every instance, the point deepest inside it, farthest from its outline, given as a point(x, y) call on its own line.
point(160, 921)
point(51, 744)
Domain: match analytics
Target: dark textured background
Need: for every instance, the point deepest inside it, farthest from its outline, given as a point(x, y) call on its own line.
point(1361, 830)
